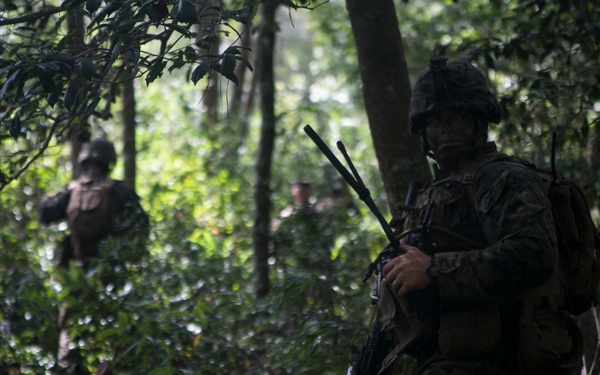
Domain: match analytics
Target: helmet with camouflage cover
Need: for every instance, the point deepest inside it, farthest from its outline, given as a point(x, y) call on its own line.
point(99, 150)
point(451, 84)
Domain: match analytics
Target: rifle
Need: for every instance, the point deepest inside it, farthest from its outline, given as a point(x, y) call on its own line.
point(359, 187)
point(377, 346)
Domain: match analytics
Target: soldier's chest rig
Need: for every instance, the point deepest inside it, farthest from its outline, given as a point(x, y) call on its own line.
point(444, 217)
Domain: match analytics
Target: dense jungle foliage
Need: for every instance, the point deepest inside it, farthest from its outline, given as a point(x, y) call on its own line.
point(187, 305)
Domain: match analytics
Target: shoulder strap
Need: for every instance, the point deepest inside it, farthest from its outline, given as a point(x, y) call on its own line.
point(414, 331)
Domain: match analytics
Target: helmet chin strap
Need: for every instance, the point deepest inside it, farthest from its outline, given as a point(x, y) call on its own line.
point(480, 131)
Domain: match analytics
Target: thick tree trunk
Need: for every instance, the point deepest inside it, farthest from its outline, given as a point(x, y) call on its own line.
point(129, 150)
point(386, 92)
point(262, 193)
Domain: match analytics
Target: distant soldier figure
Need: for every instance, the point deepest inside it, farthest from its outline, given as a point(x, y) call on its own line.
point(96, 208)
point(300, 239)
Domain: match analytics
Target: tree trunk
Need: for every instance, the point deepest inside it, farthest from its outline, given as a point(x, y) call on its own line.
point(386, 93)
point(129, 150)
point(208, 32)
point(80, 132)
point(262, 193)
point(243, 93)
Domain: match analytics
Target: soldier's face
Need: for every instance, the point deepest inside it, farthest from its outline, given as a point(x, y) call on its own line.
point(93, 169)
point(450, 133)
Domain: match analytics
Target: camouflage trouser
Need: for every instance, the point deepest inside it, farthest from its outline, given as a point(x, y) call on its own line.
point(66, 357)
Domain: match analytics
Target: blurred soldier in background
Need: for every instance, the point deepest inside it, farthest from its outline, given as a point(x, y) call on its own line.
point(302, 240)
point(98, 210)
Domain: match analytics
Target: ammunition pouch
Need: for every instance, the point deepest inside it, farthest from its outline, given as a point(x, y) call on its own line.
point(548, 341)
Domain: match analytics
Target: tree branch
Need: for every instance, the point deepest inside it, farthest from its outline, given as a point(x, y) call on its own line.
point(30, 17)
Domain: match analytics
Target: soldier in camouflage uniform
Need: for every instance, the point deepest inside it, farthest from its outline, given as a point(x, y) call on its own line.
point(475, 290)
point(97, 208)
point(301, 239)
point(125, 217)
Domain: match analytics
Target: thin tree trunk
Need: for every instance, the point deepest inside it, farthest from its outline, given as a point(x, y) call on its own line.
point(80, 132)
point(386, 93)
point(244, 92)
point(262, 193)
point(208, 33)
point(129, 124)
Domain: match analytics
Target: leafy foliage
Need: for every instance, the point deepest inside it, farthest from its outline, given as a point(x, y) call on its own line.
point(542, 60)
point(188, 307)
point(62, 64)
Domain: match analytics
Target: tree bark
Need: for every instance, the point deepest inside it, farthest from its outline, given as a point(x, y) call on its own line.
point(129, 124)
point(386, 93)
point(80, 132)
point(208, 31)
point(262, 193)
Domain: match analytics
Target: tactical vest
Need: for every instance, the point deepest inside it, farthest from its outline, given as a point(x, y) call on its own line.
point(91, 214)
point(445, 211)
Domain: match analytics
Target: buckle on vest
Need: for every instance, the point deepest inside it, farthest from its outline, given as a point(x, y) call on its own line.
point(467, 179)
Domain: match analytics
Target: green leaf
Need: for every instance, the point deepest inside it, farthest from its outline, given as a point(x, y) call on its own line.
point(200, 72)
point(52, 98)
point(14, 127)
point(226, 71)
point(64, 42)
point(176, 65)
point(246, 63)
point(65, 69)
point(155, 71)
point(81, 95)
point(85, 67)
point(117, 49)
point(16, 80)
point(92, 5)
point(228, 64)
point(92, 107)
point(70, 95)
point(109, 332)
point(185, 12)
point(46, 80)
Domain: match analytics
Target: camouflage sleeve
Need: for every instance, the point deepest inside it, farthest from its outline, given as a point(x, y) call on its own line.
point(54, 207)
point(516, 218)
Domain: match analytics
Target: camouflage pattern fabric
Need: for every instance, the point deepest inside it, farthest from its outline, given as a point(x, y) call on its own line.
point(510, 211)
point(465, 88)
point(477, 290)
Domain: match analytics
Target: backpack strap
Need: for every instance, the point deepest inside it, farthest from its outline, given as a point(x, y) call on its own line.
point(408, 338)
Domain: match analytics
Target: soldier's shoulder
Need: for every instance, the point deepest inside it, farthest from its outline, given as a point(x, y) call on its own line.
point(126, 191)
point(507, 164)
point(508, 171)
